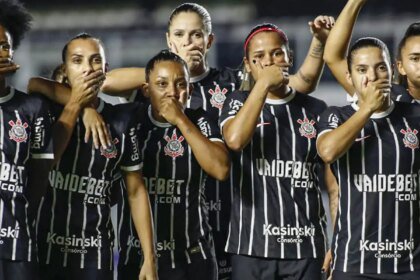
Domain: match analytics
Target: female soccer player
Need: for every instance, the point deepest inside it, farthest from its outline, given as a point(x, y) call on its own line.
point(408, 65)
point(74, 231)
point(408, 88)
point(373, 148)
point(277, 222)
point(179, 147)
point(26, 153)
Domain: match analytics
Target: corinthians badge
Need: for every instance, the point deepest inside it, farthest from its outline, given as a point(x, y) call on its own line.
point(410, 138)
point(18, 131)
point(110, 152)
point(307, 128)
point(174, 147)
point(218, 97)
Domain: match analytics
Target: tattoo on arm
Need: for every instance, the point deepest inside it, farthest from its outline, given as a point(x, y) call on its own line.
point(317, 51)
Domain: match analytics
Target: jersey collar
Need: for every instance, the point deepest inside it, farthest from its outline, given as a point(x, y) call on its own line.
point(200, 77)
point(155, 122)
point(6, 98)
point(101, 106)
point(287, 99)
point(377, 115)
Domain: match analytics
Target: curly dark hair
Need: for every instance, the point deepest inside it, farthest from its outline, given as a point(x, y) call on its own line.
point(15, 19)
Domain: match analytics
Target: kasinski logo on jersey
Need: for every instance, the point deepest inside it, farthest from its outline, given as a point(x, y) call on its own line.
point(110, 152)
point(174, 147)
point(218, 97)
point(307, 128)
point(18, 131)
point(410, 138)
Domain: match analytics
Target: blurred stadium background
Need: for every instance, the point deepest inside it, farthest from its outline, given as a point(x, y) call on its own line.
point(133, 31)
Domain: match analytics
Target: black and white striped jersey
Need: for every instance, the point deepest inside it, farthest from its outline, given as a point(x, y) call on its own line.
point(277, 209)
point(377, 228)
point(401, 94)
point(175, 182)
point(25, 133)
point(74, 224)
point(210, 92)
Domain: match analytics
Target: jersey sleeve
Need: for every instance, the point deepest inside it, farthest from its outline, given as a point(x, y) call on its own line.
point(234, 102)
point(329, 120)
point(131, 160)
point(208, 127)
point(41, 135)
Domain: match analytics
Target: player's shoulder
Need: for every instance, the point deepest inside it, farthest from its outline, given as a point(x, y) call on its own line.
point(315, 105)
point(30, 102)
point(124, 112)
point(408, 110)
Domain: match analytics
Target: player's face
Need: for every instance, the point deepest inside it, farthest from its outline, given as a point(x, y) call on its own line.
point(267, 48)
point(187, 30)
point(6, 47)
point(410, 61)
point(84, 56)
point(168, 79)
point(370, 62)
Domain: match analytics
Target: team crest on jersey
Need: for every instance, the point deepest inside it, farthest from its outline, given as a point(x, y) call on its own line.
point(410, 138)
point(110, 152)
point(307, 128)
point(18, 131)
point(174, 147)
point(218, 97)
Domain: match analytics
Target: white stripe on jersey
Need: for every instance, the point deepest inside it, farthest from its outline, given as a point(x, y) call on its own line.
point(241, 180)
point(413, 155)
point(251, 229)
point(231, 203)
point(200, 217)
point(171, 225)
point(127, 256)
point(292, 192)
point(306, 192)
point(28, 153)
point(15, 161)
point(276, 121)
point(99, 206)
point(203, 96)
point(2, 161)
point(202, 250)
point(362, 252)
point(397, 170)
point(346, 250)
point(264, 186)
point(380, 151)
point(187, 193)
point(338, 219)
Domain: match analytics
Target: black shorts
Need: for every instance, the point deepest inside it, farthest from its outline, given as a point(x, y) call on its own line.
point(255, 268)
point(339, 275)
point(224, 264)
point(198, 269)
point(55, 272)
point(18, 270)
point(128, 272)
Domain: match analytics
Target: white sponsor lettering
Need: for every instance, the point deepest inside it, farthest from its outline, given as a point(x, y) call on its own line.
point(215, 206)
point(74, 241)
point(39, 134)
point(392, 246)
point(168, 190)
point(288, 230)
point(9, 232)
point(386, 182)
point(11, 173)
point(79, 184)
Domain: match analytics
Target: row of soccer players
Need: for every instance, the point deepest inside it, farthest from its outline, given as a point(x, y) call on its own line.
point(277, 223)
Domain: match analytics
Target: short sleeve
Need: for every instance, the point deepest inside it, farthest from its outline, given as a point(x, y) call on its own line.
point(208, 127)
point(132, 160)
point(41, 133)
point(329, 120)
point(234, 102)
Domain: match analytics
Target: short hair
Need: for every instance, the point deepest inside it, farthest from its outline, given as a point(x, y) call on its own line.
point(83, 36)
point(164, 55)
point(193, 8)
point(265, 27)
point(15, 18)
point(366, 42)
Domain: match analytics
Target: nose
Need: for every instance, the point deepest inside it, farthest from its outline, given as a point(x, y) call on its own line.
point(171, 90)
point(186, 40)
point(267, 60)
point(88, 67)
point(372, 75)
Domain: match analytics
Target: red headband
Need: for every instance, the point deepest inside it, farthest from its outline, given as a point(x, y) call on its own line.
point(278, 31)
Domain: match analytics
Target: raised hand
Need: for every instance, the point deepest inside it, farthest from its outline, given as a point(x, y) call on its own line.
point(96, 127)
point(320, 27)
point(274, 76)
point(193, 55)
point(86, 88)
point(374, 93)
point(7, 67)
point(171, 109)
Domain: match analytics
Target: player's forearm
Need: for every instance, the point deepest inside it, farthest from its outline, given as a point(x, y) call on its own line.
point(212, 156)
point(53, 90)
point(307, 77)
point(140, 211)
point(335, 143)
point(121, 81)
point(333, 190)
point(239, 130)
point(63, 129)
